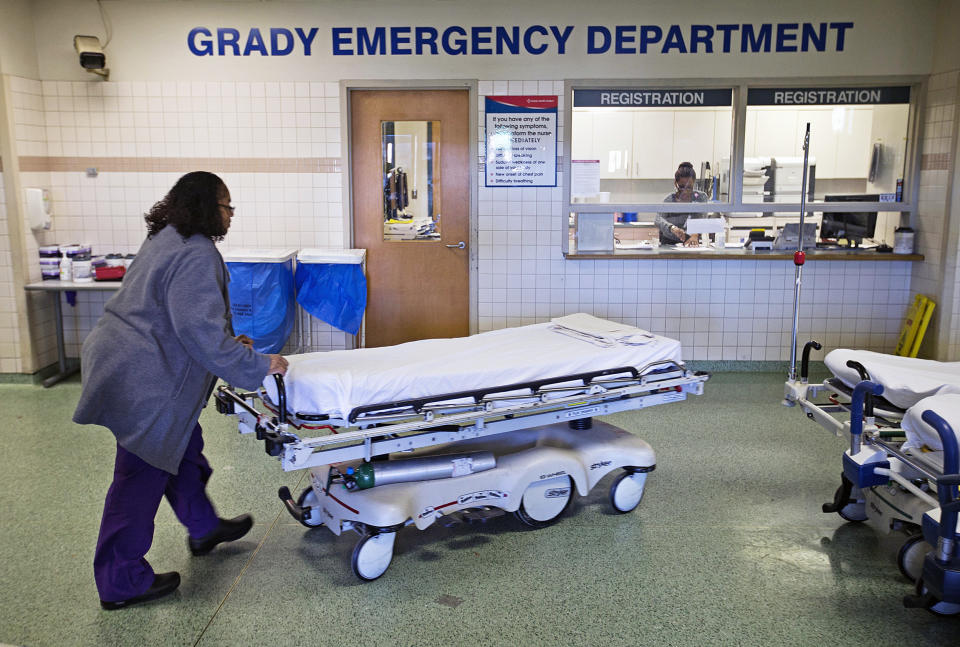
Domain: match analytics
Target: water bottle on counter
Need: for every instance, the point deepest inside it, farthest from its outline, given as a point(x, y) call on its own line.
point(66, 269)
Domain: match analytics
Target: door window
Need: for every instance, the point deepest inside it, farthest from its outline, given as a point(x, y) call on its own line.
point(411, 180)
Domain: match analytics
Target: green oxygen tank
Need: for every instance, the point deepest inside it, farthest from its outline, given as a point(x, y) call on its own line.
point(364, 476)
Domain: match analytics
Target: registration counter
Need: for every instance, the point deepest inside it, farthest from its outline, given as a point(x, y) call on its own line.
point(674, 253)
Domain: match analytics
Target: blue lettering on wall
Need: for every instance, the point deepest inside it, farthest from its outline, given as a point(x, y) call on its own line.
point(701, 35)
point(598, 39)
point(535, 40)
point(255, 42)
point(426, 37)
point(509, 42)
point(228, 41)
point(307, 38)
point(649, 35)
point(674, 40)
point(276, 33)
point(228, 37)
point(374, 44)
point(202, 46)
point(528, 39)
point(755, 41)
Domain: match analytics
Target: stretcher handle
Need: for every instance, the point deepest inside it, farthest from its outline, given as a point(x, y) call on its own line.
point(951, 454)
point(862, 372)
point(805, 358)
point(856, 410)
point(281, 399)
point(946, 485)
point(295, 510)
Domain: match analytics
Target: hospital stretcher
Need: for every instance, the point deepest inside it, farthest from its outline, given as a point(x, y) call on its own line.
point(462, 429)
point(901, 470)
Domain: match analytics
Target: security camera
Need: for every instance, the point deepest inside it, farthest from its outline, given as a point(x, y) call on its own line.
point(91, 54)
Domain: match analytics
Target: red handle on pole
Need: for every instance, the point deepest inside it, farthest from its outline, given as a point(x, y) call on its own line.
point(799, 258)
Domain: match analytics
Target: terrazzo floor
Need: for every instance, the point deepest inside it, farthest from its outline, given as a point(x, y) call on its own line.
point(728, 547)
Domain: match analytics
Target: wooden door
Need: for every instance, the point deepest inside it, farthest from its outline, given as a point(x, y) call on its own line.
point(417, 288)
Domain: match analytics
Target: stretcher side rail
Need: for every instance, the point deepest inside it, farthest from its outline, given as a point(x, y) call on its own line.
point(432, 427)
point(478, 395)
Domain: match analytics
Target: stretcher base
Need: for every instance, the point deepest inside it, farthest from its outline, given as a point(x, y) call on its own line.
point(537, 471)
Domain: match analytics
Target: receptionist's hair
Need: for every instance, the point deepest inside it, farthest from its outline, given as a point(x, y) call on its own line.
point(685, 170)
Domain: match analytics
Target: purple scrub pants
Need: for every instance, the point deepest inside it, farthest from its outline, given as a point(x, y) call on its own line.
point(126, 530)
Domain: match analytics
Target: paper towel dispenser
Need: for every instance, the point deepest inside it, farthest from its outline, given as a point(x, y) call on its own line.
point(38, 209)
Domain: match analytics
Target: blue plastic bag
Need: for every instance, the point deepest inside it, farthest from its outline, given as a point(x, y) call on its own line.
point(261, 302)
point(333, 292)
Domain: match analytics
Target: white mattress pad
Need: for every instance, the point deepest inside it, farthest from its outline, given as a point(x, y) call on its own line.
point(336, 382)
point(919, 433)
point(905, 380)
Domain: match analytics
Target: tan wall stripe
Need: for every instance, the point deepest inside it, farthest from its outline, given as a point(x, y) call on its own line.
point(182, 164)
point(929, 162)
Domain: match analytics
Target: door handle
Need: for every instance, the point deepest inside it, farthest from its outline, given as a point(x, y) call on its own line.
point(460, 245)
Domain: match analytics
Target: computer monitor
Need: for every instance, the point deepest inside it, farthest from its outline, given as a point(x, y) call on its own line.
point(853, 226)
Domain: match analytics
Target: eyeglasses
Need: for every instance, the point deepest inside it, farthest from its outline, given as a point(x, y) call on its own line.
point(227, 206)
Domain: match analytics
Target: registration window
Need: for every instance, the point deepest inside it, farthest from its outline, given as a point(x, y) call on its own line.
point(858, 143)
point(627, 143)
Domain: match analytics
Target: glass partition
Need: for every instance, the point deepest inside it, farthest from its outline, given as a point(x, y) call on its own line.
point(411, 180)
point(626, 144)
point(858, 142)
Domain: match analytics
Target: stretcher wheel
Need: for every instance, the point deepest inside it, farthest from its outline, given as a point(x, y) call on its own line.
point(911, 555)
point(853, 511)
point(372, 555)
point(544, 501)
point(308, 499)
point(940, 608)
point(626, 492)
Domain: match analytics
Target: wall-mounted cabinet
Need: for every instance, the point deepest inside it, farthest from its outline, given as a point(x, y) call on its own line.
point(840, 137)
point(649, 144)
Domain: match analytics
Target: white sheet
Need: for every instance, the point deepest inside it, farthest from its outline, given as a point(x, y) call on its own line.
point(336, 382)
point(919, 433)
point(905, 380)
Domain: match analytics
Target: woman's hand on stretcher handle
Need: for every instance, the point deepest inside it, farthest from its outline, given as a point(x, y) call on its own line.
point(278, 364)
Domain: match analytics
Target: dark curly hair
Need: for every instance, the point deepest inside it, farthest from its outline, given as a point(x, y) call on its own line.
point(191, 207)
point(685, 170)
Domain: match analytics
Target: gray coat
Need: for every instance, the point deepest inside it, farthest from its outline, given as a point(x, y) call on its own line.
point(151, 359)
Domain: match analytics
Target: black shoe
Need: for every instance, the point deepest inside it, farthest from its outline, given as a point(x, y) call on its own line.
point(226, 530)
point(163, 584)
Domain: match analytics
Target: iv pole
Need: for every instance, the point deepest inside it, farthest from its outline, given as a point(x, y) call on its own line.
point(798, 259)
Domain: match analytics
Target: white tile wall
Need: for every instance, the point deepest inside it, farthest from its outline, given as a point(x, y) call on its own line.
point(9, 330)
point(177, 120)
point(938, 276)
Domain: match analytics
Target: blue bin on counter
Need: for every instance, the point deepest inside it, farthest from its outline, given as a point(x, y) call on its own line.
point(262, 295)
point(332, 286)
